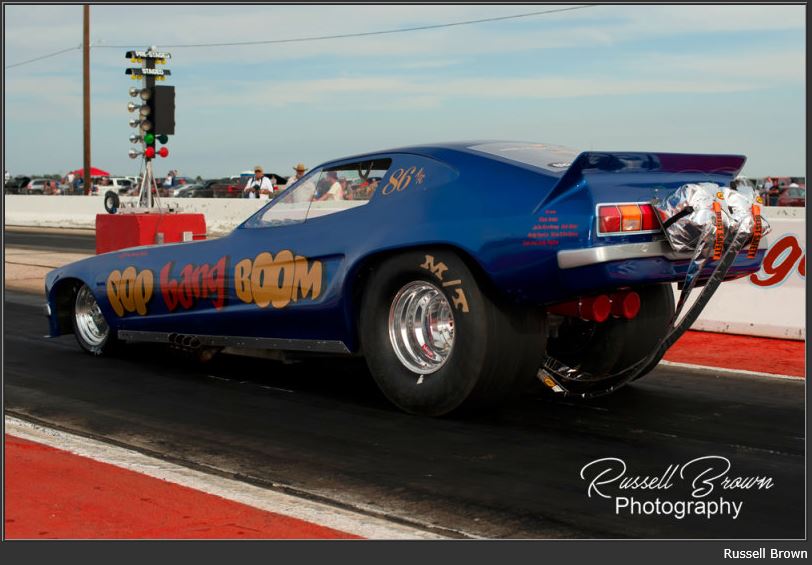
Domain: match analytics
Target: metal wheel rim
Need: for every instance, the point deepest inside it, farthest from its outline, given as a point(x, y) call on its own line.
point(90, 322)
point(421, 327)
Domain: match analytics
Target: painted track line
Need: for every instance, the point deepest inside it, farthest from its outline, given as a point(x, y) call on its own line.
point(730, 372)
point(369, 527)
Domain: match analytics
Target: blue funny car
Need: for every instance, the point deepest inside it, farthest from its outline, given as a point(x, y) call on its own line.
point(457, 271)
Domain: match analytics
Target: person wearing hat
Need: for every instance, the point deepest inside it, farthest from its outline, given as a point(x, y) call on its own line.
point(300, 171)
point(259, 186)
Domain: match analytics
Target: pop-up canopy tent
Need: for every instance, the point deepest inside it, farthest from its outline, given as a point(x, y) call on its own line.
point(94, 172)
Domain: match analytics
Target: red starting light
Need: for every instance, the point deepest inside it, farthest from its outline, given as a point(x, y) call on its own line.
point(163, 152)
point(149, 152)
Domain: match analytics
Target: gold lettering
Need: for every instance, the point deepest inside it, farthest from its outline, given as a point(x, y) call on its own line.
point(261, 279)
point(113, 281)
point(277, 281)
point(127, 294)
point(129, 291)
point(460, 301)
point(436, 269)
point(143, 291)
point(282, 265)
point(242, 280)
point(306, 280)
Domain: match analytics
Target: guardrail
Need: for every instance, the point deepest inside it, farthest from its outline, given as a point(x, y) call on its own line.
point(770, 303)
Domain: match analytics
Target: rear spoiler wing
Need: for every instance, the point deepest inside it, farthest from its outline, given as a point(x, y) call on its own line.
point(727, 166)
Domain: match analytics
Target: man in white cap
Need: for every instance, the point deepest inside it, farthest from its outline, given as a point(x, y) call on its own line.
point(259, 186)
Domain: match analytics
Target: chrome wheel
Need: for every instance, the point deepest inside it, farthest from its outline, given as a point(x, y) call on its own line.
point(421, 327)
point(90, 322)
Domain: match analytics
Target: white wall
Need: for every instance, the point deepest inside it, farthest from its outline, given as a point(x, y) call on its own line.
point(742, 307)
point(777, 307)
point(222, 214)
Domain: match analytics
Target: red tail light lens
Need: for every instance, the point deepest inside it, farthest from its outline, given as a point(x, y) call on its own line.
point(649, 220)
point(609, 219)
point(626, 218)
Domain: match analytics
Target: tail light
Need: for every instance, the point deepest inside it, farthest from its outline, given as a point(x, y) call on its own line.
point(618, 219)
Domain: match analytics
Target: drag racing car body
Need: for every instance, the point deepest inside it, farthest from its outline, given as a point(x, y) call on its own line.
point(457, 270)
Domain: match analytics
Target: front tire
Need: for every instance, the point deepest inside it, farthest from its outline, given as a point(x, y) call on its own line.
point(92, 331)
point(435, 342)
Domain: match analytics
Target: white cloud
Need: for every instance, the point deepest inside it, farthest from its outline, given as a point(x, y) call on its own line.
point(436, 75)
point(59, 26)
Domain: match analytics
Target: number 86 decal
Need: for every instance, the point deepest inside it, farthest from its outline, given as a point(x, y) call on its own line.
point(401, 178)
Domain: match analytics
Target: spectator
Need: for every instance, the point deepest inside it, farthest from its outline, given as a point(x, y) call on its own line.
point(258, 186)
point(773, 192)
point(330, 188)
point(370, 189)
point(300, 171)
point(765, 190)
point(169, 180)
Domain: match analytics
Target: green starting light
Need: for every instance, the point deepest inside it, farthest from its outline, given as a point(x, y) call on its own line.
point(163, 138)
point(149, 138)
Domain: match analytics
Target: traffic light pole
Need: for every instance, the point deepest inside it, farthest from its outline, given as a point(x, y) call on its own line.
point(145, 195)
point(156, 121)
point(86, 95)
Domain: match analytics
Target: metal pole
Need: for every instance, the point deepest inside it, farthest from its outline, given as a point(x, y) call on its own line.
point(149, 82)
point(86, 90)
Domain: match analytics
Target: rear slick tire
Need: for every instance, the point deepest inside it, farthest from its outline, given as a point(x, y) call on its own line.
point(435, 343)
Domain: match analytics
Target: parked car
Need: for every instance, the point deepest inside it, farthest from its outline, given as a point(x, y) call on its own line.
point(227, 188)
point(793, 195)
point(454, 294)
point(42, 186)
point(17, 185)
point(120, 185)
point(195, 191)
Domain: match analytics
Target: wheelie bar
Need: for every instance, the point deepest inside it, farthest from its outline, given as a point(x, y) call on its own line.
point(564, 379)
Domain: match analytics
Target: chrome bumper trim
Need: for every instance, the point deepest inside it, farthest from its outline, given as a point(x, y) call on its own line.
point(573, 258)
point(315, 346)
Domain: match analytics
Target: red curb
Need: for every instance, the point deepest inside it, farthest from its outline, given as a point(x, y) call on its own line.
point(51, 493)
point(728, 351)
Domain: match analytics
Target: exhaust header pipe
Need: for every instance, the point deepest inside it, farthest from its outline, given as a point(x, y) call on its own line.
point(621, 304)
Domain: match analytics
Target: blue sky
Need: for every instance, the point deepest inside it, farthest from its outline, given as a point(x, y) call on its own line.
point(727, 79)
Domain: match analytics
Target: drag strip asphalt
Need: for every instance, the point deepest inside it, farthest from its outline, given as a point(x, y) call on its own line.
point(54, 240)
point(322, 430)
